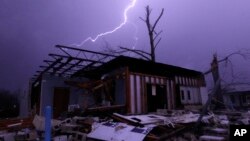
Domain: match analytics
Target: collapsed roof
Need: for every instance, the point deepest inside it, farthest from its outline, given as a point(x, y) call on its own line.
point(139, 66)
point(77, 62)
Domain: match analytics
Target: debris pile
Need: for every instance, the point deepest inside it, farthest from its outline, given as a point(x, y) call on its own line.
point(162, 125)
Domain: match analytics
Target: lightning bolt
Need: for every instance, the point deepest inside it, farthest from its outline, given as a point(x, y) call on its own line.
point(131, 5)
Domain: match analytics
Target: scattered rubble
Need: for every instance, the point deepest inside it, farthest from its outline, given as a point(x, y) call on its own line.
point(162, 125)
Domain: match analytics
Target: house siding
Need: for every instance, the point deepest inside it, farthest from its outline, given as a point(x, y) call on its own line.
point(138, 94)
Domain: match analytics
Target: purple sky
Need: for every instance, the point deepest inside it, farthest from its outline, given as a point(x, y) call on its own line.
point(192, 31)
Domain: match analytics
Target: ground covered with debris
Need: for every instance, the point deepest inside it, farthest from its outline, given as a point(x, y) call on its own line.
point(172, 125)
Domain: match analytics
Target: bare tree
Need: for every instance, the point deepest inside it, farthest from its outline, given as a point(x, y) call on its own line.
point(153, 38)
point(215, 99)
point(153, 35)
point(215, 66)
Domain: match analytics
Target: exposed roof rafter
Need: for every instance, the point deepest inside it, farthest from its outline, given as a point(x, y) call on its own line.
point(68, 63)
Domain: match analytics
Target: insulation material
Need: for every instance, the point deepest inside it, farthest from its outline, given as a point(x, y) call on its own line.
point(39, 123)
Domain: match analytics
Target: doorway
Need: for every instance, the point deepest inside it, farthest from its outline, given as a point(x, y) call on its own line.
point(180, 95)
point(156, 97)
point(60, 101)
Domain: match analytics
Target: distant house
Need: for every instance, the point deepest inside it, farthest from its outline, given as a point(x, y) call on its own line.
point(141, 86)
point(237, 97)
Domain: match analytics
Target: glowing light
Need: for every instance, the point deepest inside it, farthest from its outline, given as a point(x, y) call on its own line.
point(131, 5)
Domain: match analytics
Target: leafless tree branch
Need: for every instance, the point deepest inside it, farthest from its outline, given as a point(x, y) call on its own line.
point(153, 35)
point(142, 19)
point(135, 50)
point(138, 52)
point(157, 43)
point(162, 11)
point(233, 54)
point(157, 34)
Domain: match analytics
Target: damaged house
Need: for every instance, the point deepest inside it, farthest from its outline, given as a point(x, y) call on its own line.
point(237, 96)
point(135, 85)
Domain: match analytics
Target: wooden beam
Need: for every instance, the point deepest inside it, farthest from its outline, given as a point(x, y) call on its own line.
point(71, 64)
point(48, 68)
point(75, 58)
point(61, 65)
point(83, 50)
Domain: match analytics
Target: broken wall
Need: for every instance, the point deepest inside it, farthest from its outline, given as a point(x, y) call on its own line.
point(47, 92)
